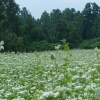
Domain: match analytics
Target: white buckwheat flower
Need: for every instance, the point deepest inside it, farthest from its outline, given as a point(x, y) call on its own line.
point(1, 45)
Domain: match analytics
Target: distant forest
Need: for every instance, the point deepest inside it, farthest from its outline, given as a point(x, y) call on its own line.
point(20, 31)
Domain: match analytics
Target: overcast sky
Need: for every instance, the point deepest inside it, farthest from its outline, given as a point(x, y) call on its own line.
point(37, 7)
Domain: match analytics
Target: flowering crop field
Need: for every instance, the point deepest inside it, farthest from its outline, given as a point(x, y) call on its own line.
point(50, 75)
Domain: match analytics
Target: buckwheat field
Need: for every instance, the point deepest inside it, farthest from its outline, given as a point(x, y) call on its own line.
point(50, 75)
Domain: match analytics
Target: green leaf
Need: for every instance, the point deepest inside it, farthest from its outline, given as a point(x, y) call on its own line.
point(23, 81)
point(52, 57)
point(66, 47)
point(37, 68)
point(68, 78)
point(63, 41)
point(65, 64)
point(66, 59)
point(70, 54)
point(73, 72)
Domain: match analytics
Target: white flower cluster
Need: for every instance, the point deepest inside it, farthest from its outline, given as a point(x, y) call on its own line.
point(1, 45)
point(95, 48)
point(80, 80)
point(57, 47)
point(49, 94)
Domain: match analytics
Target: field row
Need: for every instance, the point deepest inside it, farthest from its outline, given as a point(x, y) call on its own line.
point(50, 75)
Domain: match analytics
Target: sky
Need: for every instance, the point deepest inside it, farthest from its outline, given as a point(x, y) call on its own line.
point(37, 7)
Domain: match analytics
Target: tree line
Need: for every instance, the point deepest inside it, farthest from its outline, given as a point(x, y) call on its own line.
point(20, 31)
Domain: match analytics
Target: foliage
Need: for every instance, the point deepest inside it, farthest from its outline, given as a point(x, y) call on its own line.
point(41, 46)
point(90, 44)
point(50, 28)
point(66, 47)
point(14, 43)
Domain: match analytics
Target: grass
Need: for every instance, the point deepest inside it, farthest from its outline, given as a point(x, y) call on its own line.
point(50, 75)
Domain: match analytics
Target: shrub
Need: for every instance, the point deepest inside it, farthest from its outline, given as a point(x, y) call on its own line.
point(41, 46)
point(90, 44)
